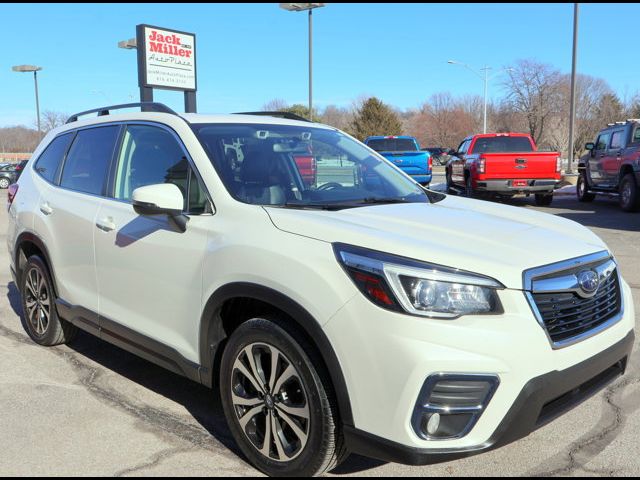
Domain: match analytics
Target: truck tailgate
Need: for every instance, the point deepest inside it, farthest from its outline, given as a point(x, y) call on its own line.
point(520, 165)
point(412, 161)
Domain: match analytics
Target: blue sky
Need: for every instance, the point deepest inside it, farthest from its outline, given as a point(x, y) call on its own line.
point(248, 54)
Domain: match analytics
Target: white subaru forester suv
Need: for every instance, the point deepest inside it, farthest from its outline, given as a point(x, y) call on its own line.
point(335, 304)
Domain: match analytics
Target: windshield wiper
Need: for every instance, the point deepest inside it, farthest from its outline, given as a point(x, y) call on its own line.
point(373, 200)
point(317, 206)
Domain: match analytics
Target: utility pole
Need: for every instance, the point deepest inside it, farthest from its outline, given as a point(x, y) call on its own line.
point(572, 118)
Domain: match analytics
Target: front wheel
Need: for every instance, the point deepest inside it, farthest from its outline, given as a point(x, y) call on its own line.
point(582, 189)
point(629, 194)
point(544, 199)
point(4, 183)
point(279, 405)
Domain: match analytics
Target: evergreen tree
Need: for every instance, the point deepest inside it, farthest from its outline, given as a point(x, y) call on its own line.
point(375, 118)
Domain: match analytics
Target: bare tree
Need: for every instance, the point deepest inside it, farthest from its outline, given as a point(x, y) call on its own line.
point(443, 121)
point(275, 105)
point(533, 90)
point(51, 119)
point(337, 117)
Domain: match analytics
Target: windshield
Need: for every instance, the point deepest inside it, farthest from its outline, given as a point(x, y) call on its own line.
point(392, 145)
point(302, 167)
point(502, 145)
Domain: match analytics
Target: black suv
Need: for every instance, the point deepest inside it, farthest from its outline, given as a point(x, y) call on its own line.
point(613, 165)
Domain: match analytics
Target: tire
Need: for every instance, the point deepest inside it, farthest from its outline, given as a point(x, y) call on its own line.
point(39, 314)
point(629, 194)
point(544, 199)
point(449, 181)
point(4, 183)
point(308, 390)
point(469, 191)
point(582, 189)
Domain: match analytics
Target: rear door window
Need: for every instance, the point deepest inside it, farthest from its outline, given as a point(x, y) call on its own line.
point(87, 164)
point(48, 163)
point(617, 140)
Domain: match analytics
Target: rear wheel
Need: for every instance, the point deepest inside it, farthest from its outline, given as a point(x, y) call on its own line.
point(4, 183)
point(280, 408)
point(582, 189)
point(629, 194)
point(469, 191)
point(40, 317)
point(544, 199)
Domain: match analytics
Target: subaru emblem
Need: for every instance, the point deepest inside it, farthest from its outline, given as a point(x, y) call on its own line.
point(589, 282)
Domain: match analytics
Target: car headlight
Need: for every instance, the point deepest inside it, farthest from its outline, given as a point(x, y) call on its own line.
point(418, 288)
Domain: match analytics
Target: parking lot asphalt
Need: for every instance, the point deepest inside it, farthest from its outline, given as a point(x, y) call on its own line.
point(92, 409)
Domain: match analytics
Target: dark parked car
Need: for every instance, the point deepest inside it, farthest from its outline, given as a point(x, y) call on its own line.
point(613, 165)
point(10, 173)
point(439, 154)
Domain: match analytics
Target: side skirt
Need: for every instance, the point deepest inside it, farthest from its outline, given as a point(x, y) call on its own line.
point(131, 341)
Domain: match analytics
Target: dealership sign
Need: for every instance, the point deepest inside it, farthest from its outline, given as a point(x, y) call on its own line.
point(166, 58)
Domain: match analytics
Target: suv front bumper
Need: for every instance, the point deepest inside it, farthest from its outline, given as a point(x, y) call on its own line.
point(386, 358)
point(541, 400)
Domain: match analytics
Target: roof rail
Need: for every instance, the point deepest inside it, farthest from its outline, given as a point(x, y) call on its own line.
point(633, 120)
point(287, 115)
point(611, 124)
point(144, 107)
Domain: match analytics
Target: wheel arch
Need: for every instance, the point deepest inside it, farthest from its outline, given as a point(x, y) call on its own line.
point(213, 335)
point(28, 244)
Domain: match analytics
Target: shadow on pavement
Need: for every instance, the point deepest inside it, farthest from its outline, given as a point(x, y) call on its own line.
point(202, 403)
point(603, 212)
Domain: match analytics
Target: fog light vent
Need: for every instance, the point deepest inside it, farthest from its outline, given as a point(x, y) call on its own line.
point(450, 405)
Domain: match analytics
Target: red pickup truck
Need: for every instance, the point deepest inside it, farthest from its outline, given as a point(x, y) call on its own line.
point(504, 164)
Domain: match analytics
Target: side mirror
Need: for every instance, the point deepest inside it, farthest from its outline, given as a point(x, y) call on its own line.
point(590, 146)
point(161, 199)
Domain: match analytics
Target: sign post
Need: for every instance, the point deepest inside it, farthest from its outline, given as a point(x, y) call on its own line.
point(166, 60)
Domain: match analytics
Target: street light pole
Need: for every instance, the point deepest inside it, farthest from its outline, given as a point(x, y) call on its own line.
point(35, 80)
point(311, 64)
point(300, 7)
point(572, 118)
point(35, 69)
point(485, 79)
point(486, 83)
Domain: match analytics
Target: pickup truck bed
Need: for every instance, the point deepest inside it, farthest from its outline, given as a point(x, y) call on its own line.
point(404, 152)
point(504, 164)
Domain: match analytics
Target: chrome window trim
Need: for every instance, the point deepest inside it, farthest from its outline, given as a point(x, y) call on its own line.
point(123, 124)
point(600, 259)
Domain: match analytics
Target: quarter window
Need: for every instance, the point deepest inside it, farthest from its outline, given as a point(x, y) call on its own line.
point(48, 163)
point(150, 156)
point(87, 164)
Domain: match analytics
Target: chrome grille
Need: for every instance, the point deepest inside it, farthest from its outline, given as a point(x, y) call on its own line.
point(565, 308)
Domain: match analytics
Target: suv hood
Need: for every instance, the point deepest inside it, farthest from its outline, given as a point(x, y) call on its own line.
point(482, 237)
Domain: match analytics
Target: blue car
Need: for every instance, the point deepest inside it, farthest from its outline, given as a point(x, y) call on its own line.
point(404, 152)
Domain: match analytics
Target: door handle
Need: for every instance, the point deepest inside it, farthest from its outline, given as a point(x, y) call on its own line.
point(106, 224)
point(46, 208)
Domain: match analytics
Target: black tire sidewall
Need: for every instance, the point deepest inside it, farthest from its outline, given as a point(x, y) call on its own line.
point(634, 201)
point(52, 328)
point(263, 330)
